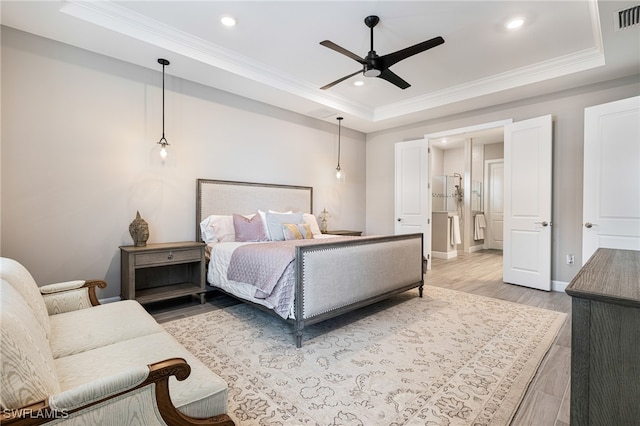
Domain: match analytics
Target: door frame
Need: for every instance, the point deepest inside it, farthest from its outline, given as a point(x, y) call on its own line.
point(457, 132)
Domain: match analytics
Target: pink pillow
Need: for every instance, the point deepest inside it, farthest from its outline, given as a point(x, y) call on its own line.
point(249, 229)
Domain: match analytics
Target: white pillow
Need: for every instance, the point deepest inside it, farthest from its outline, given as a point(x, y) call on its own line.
point(218, 229)
point(206, 231)
point(275, 222)
point(312, 222)
point(263, 216)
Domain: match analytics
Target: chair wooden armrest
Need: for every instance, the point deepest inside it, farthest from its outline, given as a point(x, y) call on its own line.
point(91, 285)
point(71, 295)
point(42, 412)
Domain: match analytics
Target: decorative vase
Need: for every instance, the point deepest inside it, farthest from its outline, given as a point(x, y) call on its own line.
point(139, 230)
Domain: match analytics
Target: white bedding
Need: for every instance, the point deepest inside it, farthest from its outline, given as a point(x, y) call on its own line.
point(219, 258)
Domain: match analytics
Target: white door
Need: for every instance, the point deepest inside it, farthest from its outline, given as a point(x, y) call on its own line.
point(494, 200)
point(527, 208)
point(412, 195)
point(611, 191)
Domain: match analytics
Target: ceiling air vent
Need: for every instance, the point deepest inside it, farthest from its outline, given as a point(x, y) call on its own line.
point(627, 17)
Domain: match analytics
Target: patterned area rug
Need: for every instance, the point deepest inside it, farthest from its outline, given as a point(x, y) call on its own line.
point(450, 358)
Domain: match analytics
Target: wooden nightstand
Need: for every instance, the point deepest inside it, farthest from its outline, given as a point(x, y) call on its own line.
point(162, 271)
point(344, 232)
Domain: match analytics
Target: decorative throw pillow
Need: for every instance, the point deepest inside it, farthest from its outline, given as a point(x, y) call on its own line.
point(263, 214)
point(275, 222)
point(313, 223)
point(217, 228)
point(301, 231)
point(249, 228)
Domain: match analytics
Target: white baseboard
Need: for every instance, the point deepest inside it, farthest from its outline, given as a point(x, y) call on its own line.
point(109, 300)
point(444, 254)
point(474, 249)
point(559, 285)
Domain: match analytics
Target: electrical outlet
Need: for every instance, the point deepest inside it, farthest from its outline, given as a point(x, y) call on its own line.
point(570, 259)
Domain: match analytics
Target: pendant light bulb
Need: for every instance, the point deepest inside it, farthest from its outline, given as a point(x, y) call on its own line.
point(339, 172)
point(163, 141)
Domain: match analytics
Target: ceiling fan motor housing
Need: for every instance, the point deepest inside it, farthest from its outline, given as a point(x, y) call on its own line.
point(370, 70)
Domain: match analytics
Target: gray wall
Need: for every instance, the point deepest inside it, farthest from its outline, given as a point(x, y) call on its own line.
point(77, 134)
point(567, 108)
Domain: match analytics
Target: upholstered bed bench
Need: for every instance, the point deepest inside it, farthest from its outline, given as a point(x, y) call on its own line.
point(66, 358)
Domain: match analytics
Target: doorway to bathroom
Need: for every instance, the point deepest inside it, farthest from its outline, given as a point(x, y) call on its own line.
point(528, 148)
point(467, 197)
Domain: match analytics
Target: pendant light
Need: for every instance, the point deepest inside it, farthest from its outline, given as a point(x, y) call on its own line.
point(163, 141)
point(339, 171)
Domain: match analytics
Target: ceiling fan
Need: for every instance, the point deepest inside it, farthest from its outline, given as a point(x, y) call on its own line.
point(378, 66)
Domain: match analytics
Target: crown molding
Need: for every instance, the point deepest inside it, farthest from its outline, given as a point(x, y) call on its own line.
point(124, 21)
point(556, 67)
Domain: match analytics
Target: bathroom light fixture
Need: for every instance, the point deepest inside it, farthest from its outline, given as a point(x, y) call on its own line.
point(339, 172)
point(163, 141)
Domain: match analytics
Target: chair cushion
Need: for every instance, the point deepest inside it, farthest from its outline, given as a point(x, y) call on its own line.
point(79, 331)
point(27, 370)
point(202, 394)
point(18, 276)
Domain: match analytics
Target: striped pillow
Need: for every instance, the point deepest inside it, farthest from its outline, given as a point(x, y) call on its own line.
point(293, 231)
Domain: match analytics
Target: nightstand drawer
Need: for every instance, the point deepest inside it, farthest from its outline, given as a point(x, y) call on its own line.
point(168, 256)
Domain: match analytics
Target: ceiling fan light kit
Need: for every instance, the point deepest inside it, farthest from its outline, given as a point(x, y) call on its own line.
point(374, 65)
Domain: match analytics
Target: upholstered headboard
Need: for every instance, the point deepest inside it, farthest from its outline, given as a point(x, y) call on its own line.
point(228, 197)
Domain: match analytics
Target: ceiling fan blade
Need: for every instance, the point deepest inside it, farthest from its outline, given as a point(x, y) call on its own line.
point(339, 80)
point(393, 78)
point(398, 56)
point(333, 46)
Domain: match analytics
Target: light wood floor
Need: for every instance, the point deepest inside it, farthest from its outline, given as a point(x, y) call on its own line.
point(546, 402)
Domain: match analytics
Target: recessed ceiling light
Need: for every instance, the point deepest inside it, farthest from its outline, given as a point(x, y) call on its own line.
point(443, 141)
point(228, 21)
point(515, 23)
point(358, 83)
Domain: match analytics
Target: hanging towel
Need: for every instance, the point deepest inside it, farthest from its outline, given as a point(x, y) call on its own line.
point(479, 226)
point(455, 230)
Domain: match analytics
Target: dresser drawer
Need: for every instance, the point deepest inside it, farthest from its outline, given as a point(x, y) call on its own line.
point(168, 256)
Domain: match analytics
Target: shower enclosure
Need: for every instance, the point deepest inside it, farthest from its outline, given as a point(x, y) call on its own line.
point(447, 193)
point(448, 201)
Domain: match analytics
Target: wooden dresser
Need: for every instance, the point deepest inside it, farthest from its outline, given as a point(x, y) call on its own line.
point(605, 340)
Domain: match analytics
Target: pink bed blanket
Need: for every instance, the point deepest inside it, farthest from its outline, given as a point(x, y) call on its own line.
point(263, 264)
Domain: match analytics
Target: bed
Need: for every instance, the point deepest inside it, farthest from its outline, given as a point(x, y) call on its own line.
point(327, 275)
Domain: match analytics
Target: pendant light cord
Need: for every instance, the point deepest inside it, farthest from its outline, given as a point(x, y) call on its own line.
point(339, 138)
point(163, 62)
point(163, 102)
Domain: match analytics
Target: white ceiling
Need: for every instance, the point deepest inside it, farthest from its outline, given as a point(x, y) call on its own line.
point(273, 54)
